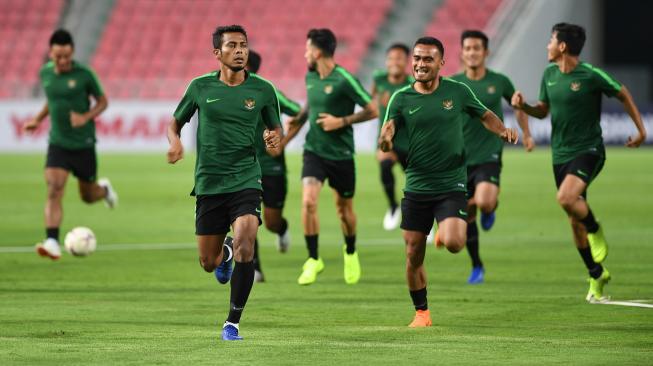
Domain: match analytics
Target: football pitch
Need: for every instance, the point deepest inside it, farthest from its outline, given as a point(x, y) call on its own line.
point(142, 298)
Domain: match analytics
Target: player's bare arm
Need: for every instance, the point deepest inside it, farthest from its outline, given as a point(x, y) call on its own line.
point(293, 126)
point(527, 139)
point(540, 110)
point(387, 134)
point(629, 106)
point(273, 141)
point(80, 119)
point(494, 124)
point(34, 123)
point(331, 123)
point(176, 150)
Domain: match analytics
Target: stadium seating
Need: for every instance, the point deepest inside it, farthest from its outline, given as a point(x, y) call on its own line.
point(150, 49)
point(25, 27)
point(454, 16)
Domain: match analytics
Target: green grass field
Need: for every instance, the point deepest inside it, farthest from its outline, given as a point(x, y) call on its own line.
point(140, 306)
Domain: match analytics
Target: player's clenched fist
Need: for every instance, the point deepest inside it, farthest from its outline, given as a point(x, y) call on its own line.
point(517, 100)
point(387, 133)
point(175, 152)
point(272, 142)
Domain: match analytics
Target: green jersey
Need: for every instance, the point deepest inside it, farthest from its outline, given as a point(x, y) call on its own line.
point(384, 89)
point(228, 117)
point(574, 100)
point(336, 94)
point(69, 92)
point(274, 165)
point(434, 122)
point(481, 145)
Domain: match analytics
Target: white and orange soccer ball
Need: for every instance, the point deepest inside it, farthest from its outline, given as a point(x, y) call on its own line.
point(80, 241)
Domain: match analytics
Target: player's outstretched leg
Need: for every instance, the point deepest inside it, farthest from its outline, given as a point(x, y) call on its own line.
point(314, 264)
point(242, 279)
point(478, 271)
point(55, 179)
point(276, 223)
point(485, 198)
point(258, 272)
point(352, 267)
point(599, 276)
point(392, 217)
point(416, 277)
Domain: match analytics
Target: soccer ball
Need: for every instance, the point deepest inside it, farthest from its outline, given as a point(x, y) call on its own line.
point(80, 241)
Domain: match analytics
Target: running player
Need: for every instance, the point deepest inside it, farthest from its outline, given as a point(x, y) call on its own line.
point(433, 111)
point(387, 82)
point(274, 180)
point(483, 149)
point(329, 149)
point(571, 90)
point(230, 103)
point(69, 86)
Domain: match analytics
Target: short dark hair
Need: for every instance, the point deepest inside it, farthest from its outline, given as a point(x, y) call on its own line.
point(431, 41)
point(399, 46)
point(324, 39)
point(219, 31)
point(573, 35)
point(473, 33)
point(253, 61)
point(61, 37)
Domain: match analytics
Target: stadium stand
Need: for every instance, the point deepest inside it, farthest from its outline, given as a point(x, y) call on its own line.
point(150, 49)
point(25, 27)
point(454, 16)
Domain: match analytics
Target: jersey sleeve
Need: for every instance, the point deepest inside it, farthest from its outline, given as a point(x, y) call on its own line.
point(471, 105)
point(508, 89)
point(606, 83)
point(288, 106)
point(393, 111)
point(94, 87)
point(355, 90)
point(188, 104)
point(544, 95)
point(270, 113)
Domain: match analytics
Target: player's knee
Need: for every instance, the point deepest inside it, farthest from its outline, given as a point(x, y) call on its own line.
point(309, 204)
point(566, 200)
point(55, 190)
point(207, 264)
point(487, 205)
point(455, 246)
point(86, 197)
point(453, 243)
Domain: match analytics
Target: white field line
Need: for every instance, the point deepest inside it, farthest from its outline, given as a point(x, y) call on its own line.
point(174, 246)
point(633, 303)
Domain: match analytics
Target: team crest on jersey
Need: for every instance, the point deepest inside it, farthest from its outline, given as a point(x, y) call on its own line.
point(328, 89)
point(447, 104)
point(491, 89)
point(575, 86)
point(71, 83)
point(250, 104)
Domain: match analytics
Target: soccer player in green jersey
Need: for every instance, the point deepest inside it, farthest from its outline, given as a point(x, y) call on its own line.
point(571, 90)
point(386, 82)
point(483, 149)
point(230, 102)
point(69, 86)
point(433, 111)
point(274, 179)
point(329, 149)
